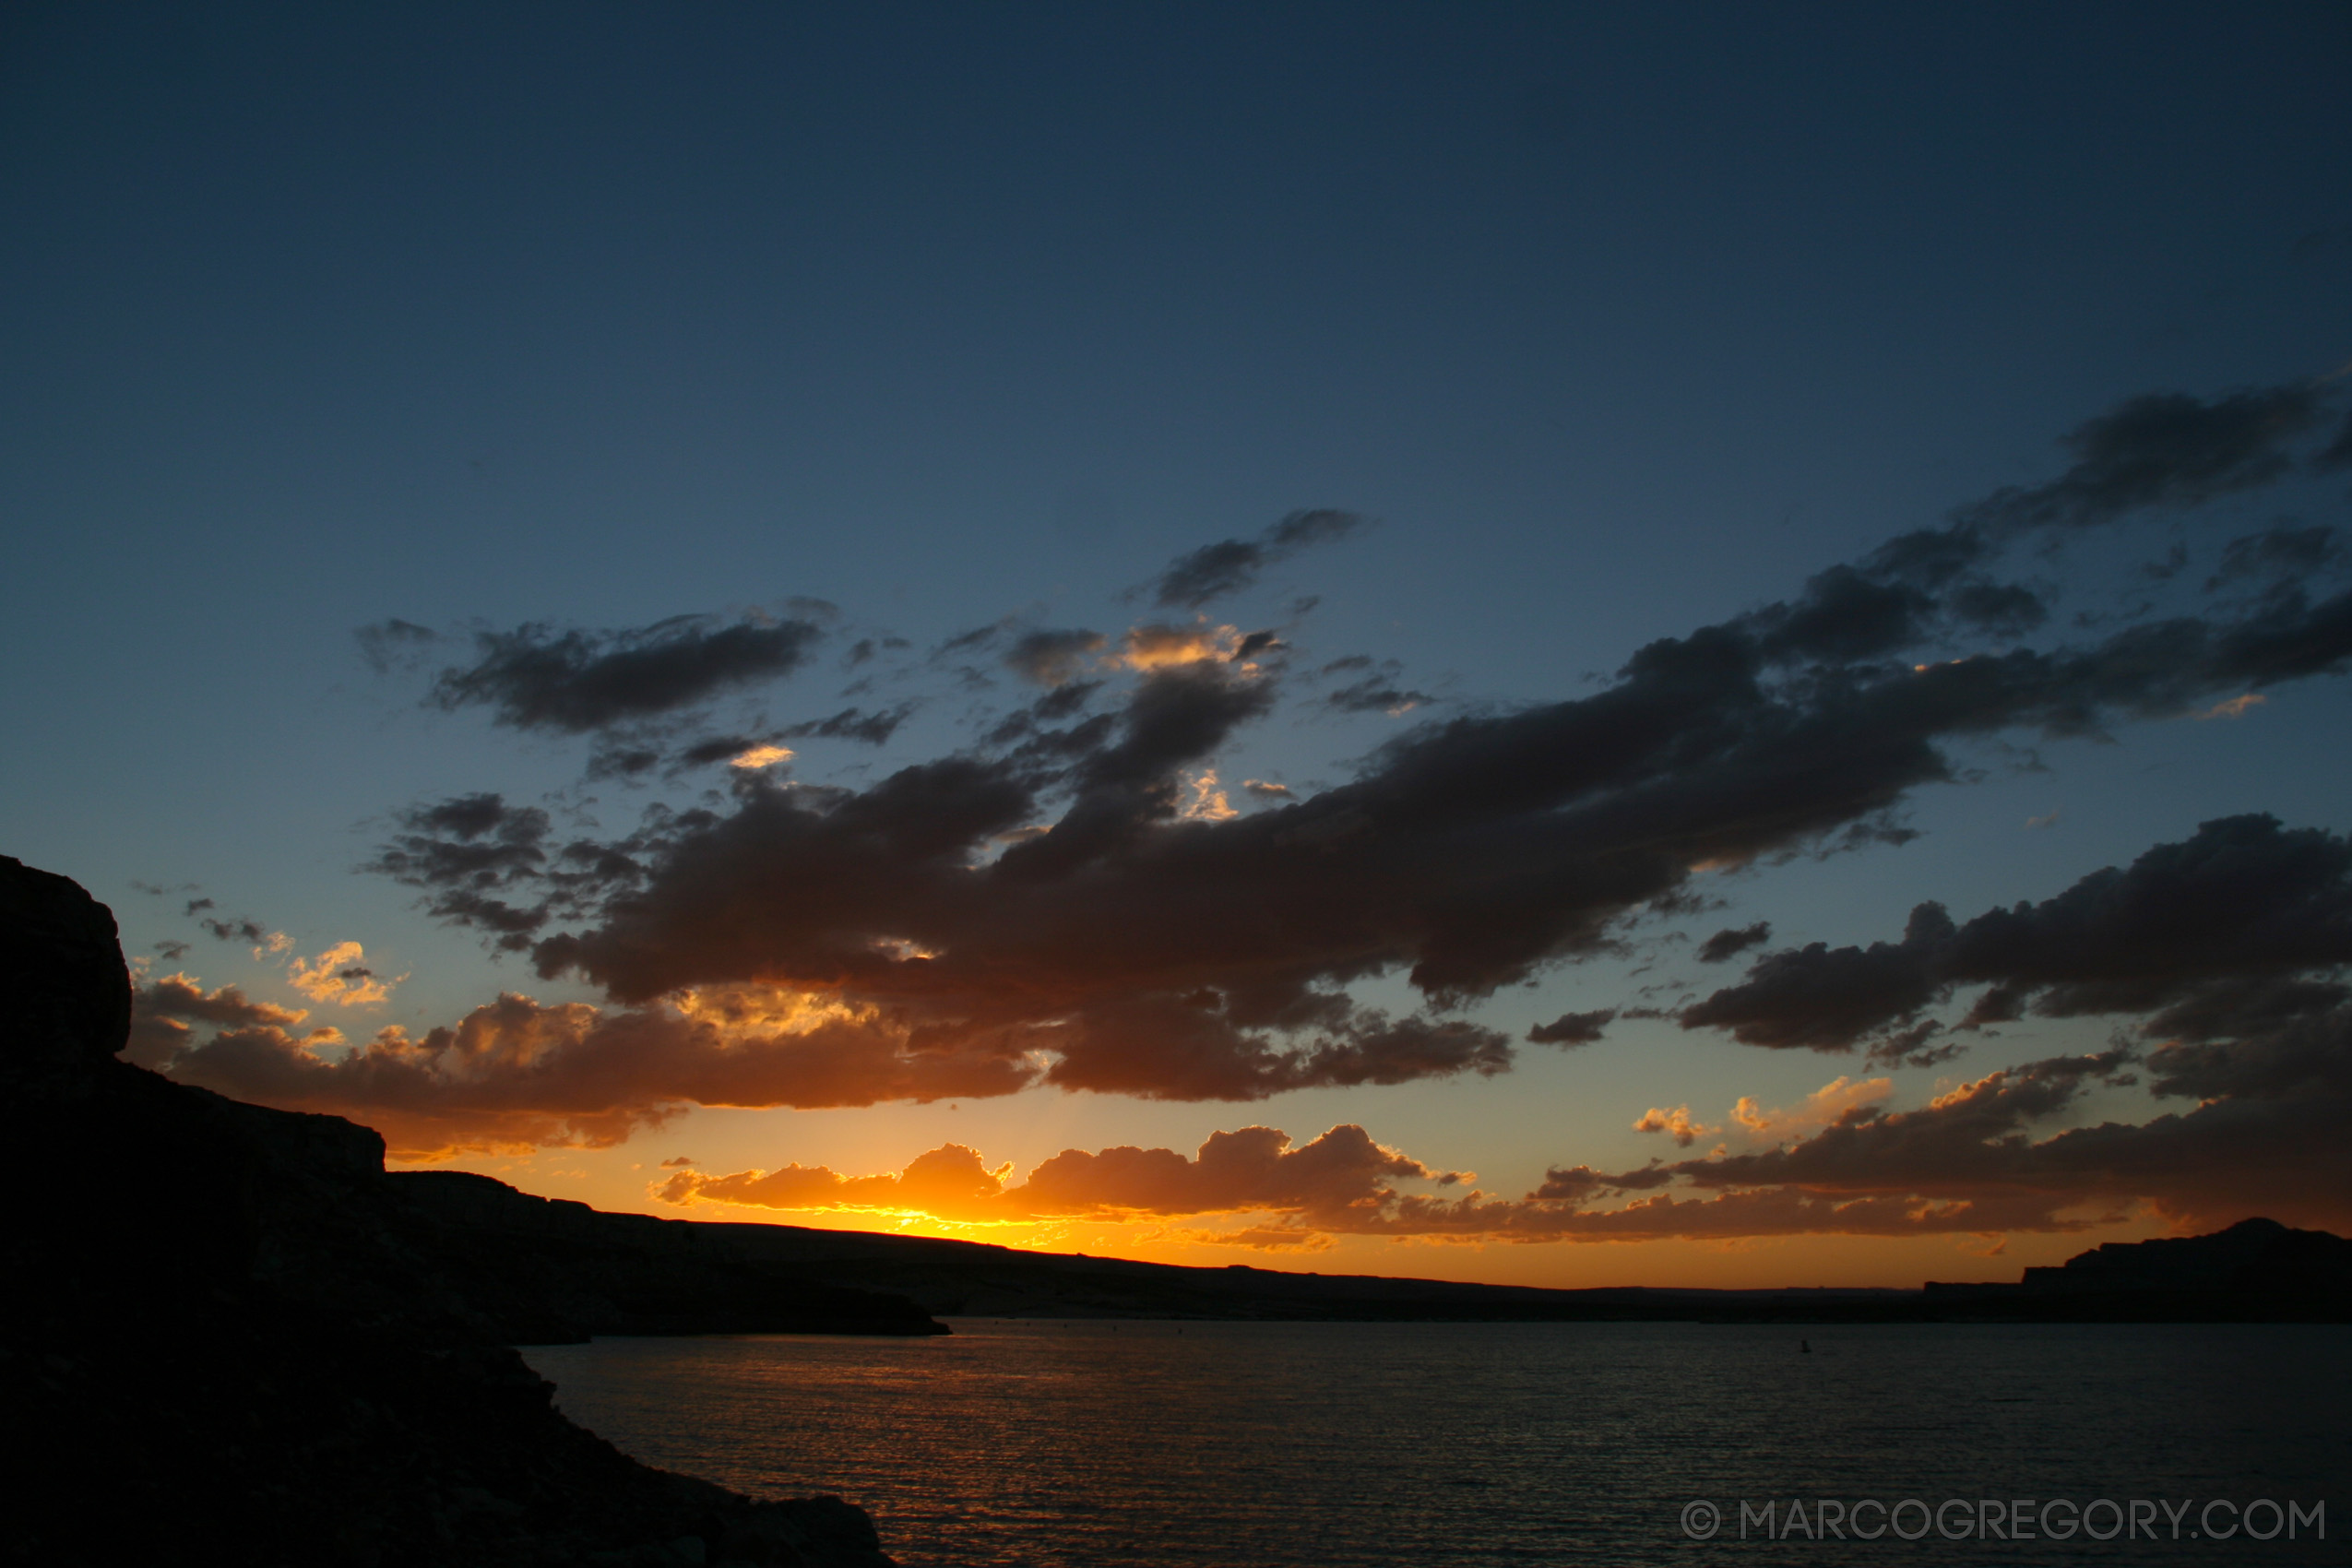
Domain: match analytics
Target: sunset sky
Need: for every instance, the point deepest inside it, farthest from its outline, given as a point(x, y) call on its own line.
point(1670, 645)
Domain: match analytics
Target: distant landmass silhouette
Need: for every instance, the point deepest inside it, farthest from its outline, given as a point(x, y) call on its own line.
point(2256, 1271)
point(230, 1328)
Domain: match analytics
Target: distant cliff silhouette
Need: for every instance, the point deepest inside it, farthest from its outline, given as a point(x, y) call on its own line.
point(2257, 1270)
point(229, 1335)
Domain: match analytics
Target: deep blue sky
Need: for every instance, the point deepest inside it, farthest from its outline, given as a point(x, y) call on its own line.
point(1617, 321)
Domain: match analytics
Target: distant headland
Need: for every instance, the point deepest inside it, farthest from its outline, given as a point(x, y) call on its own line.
point(230, 1325)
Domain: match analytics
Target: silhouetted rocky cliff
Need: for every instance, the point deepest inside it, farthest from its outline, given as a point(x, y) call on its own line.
point(229, 1335)
point(2256, 1271)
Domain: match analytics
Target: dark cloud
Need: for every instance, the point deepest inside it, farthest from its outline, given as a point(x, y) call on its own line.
point(2278, 554)
point(196, 905)
point(1828, 999)
point(1844, 617)
point(1138, 945)
point(515, 1073)
point(1582, 1183)
point(1162, 1048)
point(1228, 566)
point(245, 931)
point(177, 996)
point(2163, 449)
point(973, 641)
point(1064, 702)
point(1344, 1183)
point(627, 755)
point(1254, 1168)
point(2229, 949)
point(1174, 717)
point(537, 678)
point(165, 1013)
point(2242, 899)
point(1377, 689)
point(1320, 526)
point(475, 856)
point(1209, 573)
point(470, 817)
point(172, 951)
point(1572, 1028)
point(395, 645)
point(1971, 1161)
point(1732, 941)
point(2003, 609)
point(2258, 1144)
point(873, 729)
point(1930, 558)
point(1850, 615)
point(701, 754)
point(1377, 695)
point(1054, 657)
point(2337, 453)
point(1578, 1185)
point(1077, 901)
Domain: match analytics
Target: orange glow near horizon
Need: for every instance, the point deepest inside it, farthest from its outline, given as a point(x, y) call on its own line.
point(1282, 1240)
point(1751, 1263)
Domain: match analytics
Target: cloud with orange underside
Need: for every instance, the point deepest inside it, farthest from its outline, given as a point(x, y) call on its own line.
point(1824, 1106)
point(340, 977)
point(1677, 1123)
point(1344, 1183)
point(1251, 1169)
point(1158, 646)
point(516, 1075)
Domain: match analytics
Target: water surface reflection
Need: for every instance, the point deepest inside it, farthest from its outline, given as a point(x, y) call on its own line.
point(1166, 1445)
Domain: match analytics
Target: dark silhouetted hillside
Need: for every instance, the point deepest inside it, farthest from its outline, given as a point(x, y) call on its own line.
point(2256, 1271)
point(230, 1336)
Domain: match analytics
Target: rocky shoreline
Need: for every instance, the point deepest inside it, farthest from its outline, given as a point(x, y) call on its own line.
point(231, 1335)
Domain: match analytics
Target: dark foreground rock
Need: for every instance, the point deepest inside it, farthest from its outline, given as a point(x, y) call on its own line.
point(226, 1334)
point(540, 1271)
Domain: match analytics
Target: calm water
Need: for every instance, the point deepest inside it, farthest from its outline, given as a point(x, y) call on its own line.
point(1450, 1445)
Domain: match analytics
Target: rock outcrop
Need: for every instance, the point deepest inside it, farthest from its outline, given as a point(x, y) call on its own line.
point(538, 1271)
point(2256, 1271)
point(229, 1335)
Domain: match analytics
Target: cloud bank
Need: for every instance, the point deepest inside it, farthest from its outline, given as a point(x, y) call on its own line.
point(1070, 901)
